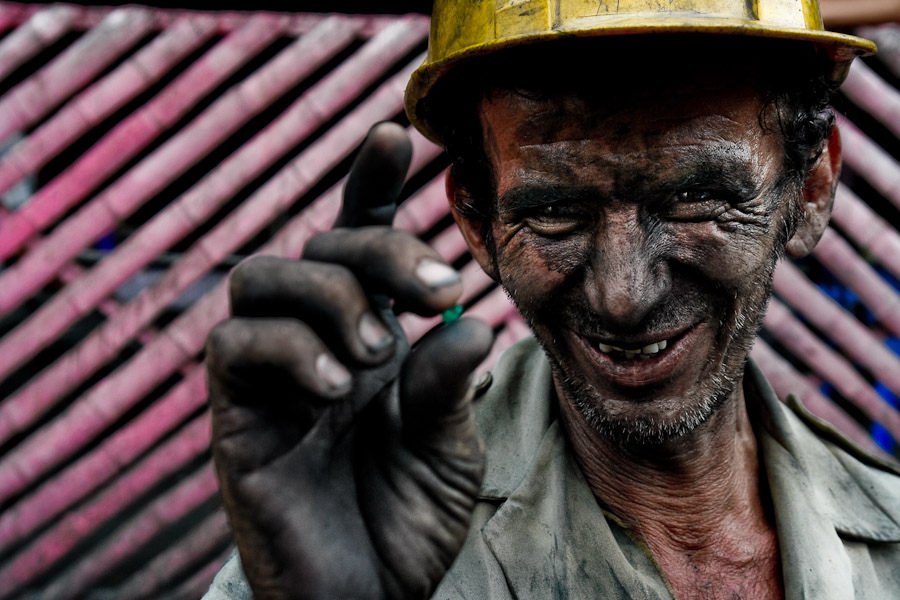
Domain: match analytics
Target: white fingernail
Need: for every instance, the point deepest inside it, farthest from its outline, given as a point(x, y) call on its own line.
point(332, 372)
point(435, 274)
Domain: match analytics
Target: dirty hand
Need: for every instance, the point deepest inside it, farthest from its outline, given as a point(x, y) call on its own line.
point(348, 463)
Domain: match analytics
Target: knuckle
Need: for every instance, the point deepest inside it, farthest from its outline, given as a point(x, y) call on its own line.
point(316, 246)
point(402, 243)
point(220, 344)
point(245, 273)
point(336, 281)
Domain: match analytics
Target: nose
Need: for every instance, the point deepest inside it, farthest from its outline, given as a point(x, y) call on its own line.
point(629, 274)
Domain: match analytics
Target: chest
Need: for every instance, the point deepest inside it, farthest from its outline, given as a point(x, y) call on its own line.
point(754, 574)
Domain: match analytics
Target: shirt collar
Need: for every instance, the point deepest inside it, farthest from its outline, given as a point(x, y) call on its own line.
point(853, 489)
point(549, 533)
point(856, 491)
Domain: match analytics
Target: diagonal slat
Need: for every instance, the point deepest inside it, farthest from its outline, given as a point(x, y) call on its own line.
point(887, 36)
point(870, 161)
point(137, 132)
point(158, 575)
point(129, 537)
point(37, 33)
point(867, 229)
point(874, 95)
point(113, 456)
point(80, 63)
point(829, 365)
point(827, 316)
point(271, 199)
point(785, 380)
point(183, 215)
point(73, 528)
point(186, 335)
point(843, 261)
point(102, 99)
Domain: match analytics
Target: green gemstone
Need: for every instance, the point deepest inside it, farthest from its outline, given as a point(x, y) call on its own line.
point(451, 315)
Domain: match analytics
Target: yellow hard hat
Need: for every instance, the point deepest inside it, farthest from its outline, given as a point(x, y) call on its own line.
point(463, 29)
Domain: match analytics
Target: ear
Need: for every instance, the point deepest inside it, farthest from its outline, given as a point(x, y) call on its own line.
point(817, 198)
point(471, 228)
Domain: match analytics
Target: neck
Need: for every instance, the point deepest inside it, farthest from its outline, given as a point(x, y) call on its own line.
point(683, 494)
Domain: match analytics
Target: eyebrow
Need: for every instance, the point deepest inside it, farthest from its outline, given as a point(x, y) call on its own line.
point(530, 196)
point(732, 175)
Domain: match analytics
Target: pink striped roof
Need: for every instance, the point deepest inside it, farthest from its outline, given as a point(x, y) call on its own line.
point(146, 151)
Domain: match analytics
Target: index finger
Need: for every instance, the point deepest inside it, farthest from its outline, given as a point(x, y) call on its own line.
point(376, 177)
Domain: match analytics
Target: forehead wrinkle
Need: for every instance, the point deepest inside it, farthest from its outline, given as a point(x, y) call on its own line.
point(543, 121)
point(563, 154)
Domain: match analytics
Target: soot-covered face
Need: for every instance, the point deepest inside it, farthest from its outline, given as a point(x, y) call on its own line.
point(638, 239)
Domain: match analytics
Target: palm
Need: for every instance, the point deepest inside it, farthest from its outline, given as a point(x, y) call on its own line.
point(348, 467)
point(358, 506)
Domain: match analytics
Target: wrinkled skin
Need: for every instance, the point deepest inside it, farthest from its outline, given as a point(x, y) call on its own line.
point(627, 221)
point(639, 222)
point(347, 463)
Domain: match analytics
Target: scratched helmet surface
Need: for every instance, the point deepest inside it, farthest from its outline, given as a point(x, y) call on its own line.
point(464, 29)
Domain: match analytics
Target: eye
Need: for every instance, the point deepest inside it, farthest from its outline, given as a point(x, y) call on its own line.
point(695, 205)
point(556, 219)
point(693, 196)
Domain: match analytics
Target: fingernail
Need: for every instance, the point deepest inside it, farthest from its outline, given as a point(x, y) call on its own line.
point(373, 334)
point(435, 274)
point(332, 372)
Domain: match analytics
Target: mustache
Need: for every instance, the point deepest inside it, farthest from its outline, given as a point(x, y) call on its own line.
point(675, 311)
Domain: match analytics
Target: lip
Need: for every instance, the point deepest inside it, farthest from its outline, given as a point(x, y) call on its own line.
point(642, 340)
point(634, 373)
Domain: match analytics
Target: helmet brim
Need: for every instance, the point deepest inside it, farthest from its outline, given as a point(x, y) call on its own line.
point(839, 50)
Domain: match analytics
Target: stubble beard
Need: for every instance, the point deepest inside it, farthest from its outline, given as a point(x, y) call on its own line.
point(712, 393)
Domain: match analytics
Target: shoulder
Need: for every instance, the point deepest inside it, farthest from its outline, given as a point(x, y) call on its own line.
point(841, 445)
point(811, 463)
point(862, 489)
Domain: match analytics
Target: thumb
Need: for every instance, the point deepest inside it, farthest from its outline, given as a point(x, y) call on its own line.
point(435, 402)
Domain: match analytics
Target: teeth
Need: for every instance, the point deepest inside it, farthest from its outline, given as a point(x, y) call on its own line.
point(648, 351)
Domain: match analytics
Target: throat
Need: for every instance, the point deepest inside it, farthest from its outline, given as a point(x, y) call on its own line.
point(751, 572)
point(700, 504)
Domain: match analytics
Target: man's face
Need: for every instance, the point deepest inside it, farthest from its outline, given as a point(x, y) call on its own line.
point(638, 238)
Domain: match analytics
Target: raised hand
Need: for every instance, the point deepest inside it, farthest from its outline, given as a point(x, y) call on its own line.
point(348, 464)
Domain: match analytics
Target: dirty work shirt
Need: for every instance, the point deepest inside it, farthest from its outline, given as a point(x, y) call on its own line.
point(538, 532)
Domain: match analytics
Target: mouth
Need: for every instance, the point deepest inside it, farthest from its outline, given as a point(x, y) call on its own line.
point(651, 350)
point(641, 362)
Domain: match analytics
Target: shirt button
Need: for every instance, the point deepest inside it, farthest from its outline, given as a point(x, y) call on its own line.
point(483, 382)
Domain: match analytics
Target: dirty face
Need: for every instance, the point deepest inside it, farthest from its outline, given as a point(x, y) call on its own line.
point(638, 238)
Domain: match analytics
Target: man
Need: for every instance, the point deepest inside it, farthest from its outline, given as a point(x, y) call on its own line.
point(632, 193)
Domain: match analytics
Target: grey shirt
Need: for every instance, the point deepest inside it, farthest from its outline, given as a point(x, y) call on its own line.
point(538, 532)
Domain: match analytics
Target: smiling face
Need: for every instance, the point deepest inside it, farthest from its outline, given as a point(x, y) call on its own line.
point(638, 238)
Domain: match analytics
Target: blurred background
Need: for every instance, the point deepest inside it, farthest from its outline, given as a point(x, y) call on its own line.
point(145, 150)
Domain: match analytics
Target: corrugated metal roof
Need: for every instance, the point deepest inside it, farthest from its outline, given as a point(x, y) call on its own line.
point(149, 150)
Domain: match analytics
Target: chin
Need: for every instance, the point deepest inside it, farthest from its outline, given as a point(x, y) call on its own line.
point(651, 423)
point(654, 415)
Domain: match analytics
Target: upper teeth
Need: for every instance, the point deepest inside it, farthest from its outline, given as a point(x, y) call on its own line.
point(645, 352)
